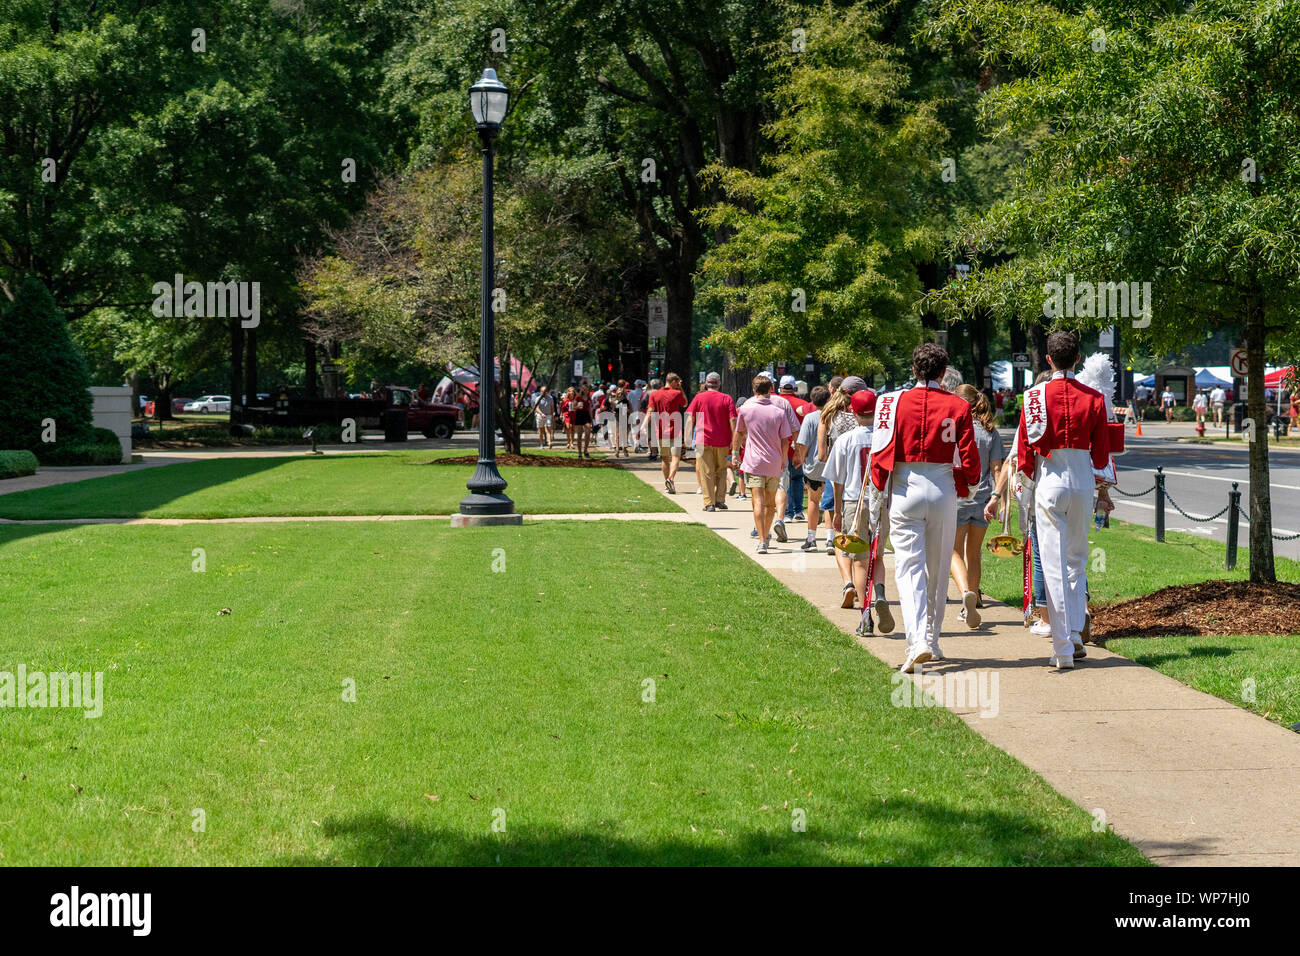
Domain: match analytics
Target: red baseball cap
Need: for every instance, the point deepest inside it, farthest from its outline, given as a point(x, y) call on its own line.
point(863, 401)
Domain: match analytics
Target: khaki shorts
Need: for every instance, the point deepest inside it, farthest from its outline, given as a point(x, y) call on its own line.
point(670, 449)
point(765, 482)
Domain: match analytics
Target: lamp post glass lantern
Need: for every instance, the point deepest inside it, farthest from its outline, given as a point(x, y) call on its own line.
point(487, 100)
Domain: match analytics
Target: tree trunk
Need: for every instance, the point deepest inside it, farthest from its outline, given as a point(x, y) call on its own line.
point(1261, 510)
point(1038, 347)
point(136, 411)
point(162, 405)
point(978, 333)
point(679, 288)
point(236, 370)
point(250, 366)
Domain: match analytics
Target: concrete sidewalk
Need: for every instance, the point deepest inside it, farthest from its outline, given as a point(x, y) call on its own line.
point(1189, 779)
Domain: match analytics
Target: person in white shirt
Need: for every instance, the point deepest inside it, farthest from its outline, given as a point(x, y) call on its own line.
point(847, 468)
point(1217, 398)
point(634, 414)
point(1201, 404)
point(544, 410)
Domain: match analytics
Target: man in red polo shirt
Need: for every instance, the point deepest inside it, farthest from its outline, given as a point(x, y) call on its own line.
point(665, 407)
point(712, 417)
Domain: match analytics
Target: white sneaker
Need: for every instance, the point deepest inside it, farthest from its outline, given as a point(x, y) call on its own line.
point(972, 616)
point(935, 653)
point(914, 658)
point(1064, 662)
point(1041, 628)
point(762, 546)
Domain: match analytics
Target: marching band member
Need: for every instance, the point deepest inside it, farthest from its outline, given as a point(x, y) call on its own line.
point(1062, 437)
point(923, 458)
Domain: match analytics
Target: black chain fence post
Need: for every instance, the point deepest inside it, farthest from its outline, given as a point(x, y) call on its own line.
point(1160, 503)
point(1234, 512)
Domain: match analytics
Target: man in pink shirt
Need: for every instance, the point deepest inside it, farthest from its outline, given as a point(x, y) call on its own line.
point(764, 428)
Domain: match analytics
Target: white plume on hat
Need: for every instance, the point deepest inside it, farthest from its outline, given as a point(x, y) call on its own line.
point(1099, 373)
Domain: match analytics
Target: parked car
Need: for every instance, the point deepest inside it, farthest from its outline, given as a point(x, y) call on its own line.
point(178, 405)
point(209, 404)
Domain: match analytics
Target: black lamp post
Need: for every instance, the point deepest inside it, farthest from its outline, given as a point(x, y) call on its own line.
point(487, 100)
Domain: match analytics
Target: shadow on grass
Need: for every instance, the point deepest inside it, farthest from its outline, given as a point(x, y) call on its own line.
point(1189, 653)
point(133, 494)
point(902, 832)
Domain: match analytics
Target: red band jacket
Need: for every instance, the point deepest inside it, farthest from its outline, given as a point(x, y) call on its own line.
point(1063, 413)
point(924, 423)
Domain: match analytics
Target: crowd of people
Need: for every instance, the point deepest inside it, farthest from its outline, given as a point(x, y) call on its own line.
point(923, 467)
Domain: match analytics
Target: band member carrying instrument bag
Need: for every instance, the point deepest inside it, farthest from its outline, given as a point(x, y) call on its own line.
point(1063, 437)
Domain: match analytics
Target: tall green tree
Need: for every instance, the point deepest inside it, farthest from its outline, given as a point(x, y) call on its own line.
point(144, 139)
point(657, 90)
point(403, 277)
point(831, 234)
point(1168, 158)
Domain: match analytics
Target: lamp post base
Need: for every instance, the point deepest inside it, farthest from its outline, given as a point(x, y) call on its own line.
point(486, 503)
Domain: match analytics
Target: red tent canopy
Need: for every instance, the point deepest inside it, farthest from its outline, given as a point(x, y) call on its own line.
point(1276, 377)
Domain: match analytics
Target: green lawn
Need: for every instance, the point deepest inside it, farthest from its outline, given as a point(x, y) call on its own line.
point(515, 697)
point(360, 483)
point(1134, 564)
point(1125, 561)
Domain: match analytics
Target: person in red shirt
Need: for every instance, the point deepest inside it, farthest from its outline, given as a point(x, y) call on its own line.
point(665, 410)
point(1063, 436)
point(712, 416)
point(580, 406)
point(566, 413)
point(923, 459)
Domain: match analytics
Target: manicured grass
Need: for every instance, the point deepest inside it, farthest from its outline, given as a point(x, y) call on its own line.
point(359, 483)
point(1234, 668)
point(1125, 561)
point(1134, 564)
point(518, 697)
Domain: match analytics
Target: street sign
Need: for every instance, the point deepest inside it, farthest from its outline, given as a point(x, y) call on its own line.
point(1020, 360)
point(1107, 338)
point(1240, 363)
point(657, 318)
point(941, 338)
point(577, 368)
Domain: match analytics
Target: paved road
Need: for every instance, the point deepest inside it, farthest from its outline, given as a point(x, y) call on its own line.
point(1198, 478)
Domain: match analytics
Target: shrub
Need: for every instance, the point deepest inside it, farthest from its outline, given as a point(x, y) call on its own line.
point(42, 374)
point(99, 447)
point(1182, 413)
point(217, 436)
point(15, 464)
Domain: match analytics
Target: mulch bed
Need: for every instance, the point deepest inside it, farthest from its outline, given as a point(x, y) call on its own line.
point(1208, 609)
point(509, 460)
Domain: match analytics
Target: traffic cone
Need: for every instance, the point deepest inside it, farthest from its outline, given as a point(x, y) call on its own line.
point(1139, 425)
